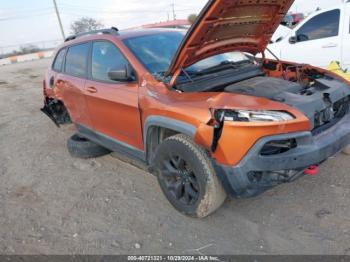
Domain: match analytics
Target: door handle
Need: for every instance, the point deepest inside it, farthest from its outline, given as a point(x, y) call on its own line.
point(330, 45)
point(91, 89)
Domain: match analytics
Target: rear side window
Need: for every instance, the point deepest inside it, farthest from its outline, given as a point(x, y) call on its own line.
point(76, 60)
point(57, 66)
point(105, 57)
point(321, 26)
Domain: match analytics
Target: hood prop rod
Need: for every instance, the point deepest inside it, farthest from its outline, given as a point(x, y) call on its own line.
point(272, 53)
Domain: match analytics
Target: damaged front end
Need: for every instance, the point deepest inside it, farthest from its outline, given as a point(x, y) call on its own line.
point(283, 158)
point(56, 111)
point(255, 150)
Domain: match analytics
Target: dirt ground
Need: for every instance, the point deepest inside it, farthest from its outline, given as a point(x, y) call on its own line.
point(51, 203)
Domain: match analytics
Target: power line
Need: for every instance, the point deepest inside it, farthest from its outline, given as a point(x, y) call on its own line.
point(31, 9)
point(76, 11)
point(67, 8)
point(62, 3)
point(24, 16)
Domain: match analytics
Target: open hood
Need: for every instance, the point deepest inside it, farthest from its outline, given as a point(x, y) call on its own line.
point(230, 25)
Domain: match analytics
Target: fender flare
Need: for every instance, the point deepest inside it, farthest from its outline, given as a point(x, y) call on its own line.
point(166, 122)
point(170, 123)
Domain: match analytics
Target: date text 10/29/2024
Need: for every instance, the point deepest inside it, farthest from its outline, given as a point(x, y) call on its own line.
point(173, 258)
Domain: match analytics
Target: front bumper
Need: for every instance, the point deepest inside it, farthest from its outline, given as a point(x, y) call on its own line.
point(310, 150)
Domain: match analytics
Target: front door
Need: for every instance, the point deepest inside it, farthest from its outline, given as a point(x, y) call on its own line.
point(318, 41)
point(113, 105)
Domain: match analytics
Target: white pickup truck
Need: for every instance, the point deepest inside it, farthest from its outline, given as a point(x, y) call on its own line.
point(321, 38)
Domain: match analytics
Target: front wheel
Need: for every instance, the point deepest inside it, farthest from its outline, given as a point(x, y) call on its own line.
point(187, 177)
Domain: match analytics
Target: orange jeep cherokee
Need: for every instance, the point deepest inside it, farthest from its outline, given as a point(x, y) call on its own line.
point(206, 115)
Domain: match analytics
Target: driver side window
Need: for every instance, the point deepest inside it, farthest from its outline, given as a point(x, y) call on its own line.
point(106, 57)
point(321, 26)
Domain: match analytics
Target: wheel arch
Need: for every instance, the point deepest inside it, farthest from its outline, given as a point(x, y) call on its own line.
point(57, 111)
point(158, 128)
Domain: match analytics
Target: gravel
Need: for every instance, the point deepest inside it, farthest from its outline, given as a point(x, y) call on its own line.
point(51, 203)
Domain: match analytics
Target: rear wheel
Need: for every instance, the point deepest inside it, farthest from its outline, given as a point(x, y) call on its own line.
point(187, 177)
point(81, 147)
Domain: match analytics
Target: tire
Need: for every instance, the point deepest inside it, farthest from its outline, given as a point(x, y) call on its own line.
point(81, 147)
point(346, 150)
point(187, 177)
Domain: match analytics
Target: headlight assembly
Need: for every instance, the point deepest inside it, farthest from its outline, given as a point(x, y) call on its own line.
point(251, 116)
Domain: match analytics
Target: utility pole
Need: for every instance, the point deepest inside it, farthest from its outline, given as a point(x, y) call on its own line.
point(59, 20)
point(173, 6)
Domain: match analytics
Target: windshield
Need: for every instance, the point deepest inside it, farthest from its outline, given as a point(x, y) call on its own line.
point(156, 52)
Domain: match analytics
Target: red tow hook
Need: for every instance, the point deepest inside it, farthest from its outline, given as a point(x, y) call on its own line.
point(312, 170)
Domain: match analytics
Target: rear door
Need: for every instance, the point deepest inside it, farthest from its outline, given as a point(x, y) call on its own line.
point(52, 75)
point(113, 105)
point(318, 40)
point(72, 83)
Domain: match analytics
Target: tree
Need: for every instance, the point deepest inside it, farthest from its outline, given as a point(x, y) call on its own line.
point(27, 49)
point(85, 24)
point(192, 18)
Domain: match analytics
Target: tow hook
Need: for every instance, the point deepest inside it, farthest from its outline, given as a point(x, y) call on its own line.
point(312, 170)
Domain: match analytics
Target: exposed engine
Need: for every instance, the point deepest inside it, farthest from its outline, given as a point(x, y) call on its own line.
point(323, 100)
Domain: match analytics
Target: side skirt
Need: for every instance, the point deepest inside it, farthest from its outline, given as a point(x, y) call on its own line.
point(111, 143)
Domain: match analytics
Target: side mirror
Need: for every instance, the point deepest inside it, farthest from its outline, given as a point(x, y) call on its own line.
point(293, 40)
point(121, 74)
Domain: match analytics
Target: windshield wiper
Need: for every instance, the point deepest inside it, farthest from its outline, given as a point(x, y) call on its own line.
point(161, 75)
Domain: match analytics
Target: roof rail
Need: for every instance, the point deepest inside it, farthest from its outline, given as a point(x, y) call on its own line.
point(108, 31)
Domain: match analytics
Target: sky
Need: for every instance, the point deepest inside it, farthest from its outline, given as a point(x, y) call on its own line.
point(34, 21)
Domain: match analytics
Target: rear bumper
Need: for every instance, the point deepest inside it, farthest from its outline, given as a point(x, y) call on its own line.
point(310, 150)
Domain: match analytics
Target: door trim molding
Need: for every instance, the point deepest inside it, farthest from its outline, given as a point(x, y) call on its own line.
point(111, 143)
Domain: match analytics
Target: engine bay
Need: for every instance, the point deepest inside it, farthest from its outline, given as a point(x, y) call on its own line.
point(321, 101)
point(320, 96)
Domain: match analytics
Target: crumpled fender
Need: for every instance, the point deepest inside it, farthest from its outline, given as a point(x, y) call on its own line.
point(204, 136)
